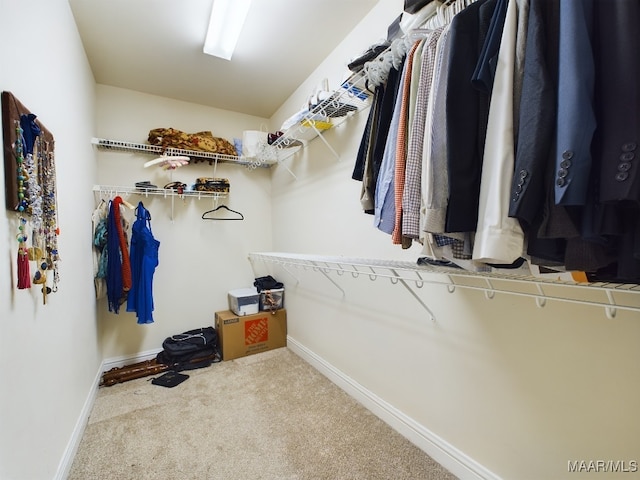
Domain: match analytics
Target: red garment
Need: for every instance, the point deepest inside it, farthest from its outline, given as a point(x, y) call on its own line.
point(126, 264)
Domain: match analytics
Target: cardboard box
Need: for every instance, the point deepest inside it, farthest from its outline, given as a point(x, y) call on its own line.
point(271, 299)
point(244, 301)
point(242, 335)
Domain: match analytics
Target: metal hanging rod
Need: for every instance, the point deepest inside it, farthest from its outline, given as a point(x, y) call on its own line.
point(453, 278)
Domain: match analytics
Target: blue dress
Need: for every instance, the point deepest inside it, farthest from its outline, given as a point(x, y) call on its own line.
point(143, 255)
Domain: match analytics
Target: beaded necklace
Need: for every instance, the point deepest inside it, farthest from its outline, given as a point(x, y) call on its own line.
point(24, 277)
point(49, 210)
point(21, 170)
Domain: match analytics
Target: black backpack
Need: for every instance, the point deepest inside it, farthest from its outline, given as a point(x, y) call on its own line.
point(190, 350)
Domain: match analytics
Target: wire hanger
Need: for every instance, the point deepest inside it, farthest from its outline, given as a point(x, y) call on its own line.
point(204, 217)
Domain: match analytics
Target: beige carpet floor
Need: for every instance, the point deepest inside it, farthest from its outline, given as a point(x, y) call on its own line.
point(269, 416)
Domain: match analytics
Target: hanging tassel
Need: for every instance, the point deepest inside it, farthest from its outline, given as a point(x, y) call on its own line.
point(24, 276)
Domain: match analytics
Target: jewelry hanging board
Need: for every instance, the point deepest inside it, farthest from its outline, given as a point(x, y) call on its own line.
point(12, 109)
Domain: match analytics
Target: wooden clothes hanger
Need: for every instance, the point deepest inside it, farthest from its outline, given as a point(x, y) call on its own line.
point(125, 203)
point(204, 217)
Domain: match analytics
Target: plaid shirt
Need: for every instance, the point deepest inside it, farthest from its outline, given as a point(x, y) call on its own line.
point(401, 148)
point(411, 199)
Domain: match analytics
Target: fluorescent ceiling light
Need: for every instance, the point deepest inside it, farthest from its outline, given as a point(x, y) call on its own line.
point(225, 24)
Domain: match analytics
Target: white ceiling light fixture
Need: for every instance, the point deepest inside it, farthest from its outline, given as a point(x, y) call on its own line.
point(225, 24)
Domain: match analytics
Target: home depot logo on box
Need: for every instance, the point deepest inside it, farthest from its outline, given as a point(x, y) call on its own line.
point(256, 331)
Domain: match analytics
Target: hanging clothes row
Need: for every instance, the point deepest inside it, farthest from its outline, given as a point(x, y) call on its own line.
point(505, 130)
point(124, 270)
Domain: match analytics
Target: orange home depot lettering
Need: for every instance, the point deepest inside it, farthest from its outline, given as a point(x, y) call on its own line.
point(256, 331)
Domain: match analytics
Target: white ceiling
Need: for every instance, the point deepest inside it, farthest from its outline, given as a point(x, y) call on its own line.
point(155, 46)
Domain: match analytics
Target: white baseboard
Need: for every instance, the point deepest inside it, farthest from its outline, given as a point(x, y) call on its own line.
point(442, 452)
point(66, 462)
point(72, 447)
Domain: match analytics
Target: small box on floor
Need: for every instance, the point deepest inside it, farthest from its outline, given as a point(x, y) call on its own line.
point(242, 335)
point(271, 299)
point(244, 301)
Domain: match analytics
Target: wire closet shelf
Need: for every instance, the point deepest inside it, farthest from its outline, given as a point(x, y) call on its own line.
point(124, 146)
point(610, 296)
point(350, 98)
point(112, 190)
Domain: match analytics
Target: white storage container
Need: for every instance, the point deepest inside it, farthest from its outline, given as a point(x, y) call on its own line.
point(244, 301)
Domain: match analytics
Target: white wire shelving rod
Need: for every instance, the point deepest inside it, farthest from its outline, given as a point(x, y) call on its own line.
point(406, 272)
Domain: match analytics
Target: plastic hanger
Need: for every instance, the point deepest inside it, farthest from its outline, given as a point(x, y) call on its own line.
point(168, 162)
point(418, 34)
point(204, 217)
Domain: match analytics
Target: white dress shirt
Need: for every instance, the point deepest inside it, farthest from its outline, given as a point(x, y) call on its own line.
point(499, 238)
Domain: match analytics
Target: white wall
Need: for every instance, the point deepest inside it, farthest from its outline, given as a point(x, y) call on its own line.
point(49, 353)
point(517, 389)
point(199, 260)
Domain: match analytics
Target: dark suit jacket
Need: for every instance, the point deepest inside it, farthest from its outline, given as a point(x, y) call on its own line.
point(553, 224)
point(467, 114)
point(617, 145)
point(576, 118)
point(536, 124)
point(485, 71)
point(384, 118)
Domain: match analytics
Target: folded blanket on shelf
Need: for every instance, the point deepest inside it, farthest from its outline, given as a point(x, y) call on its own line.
point(200, 141)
